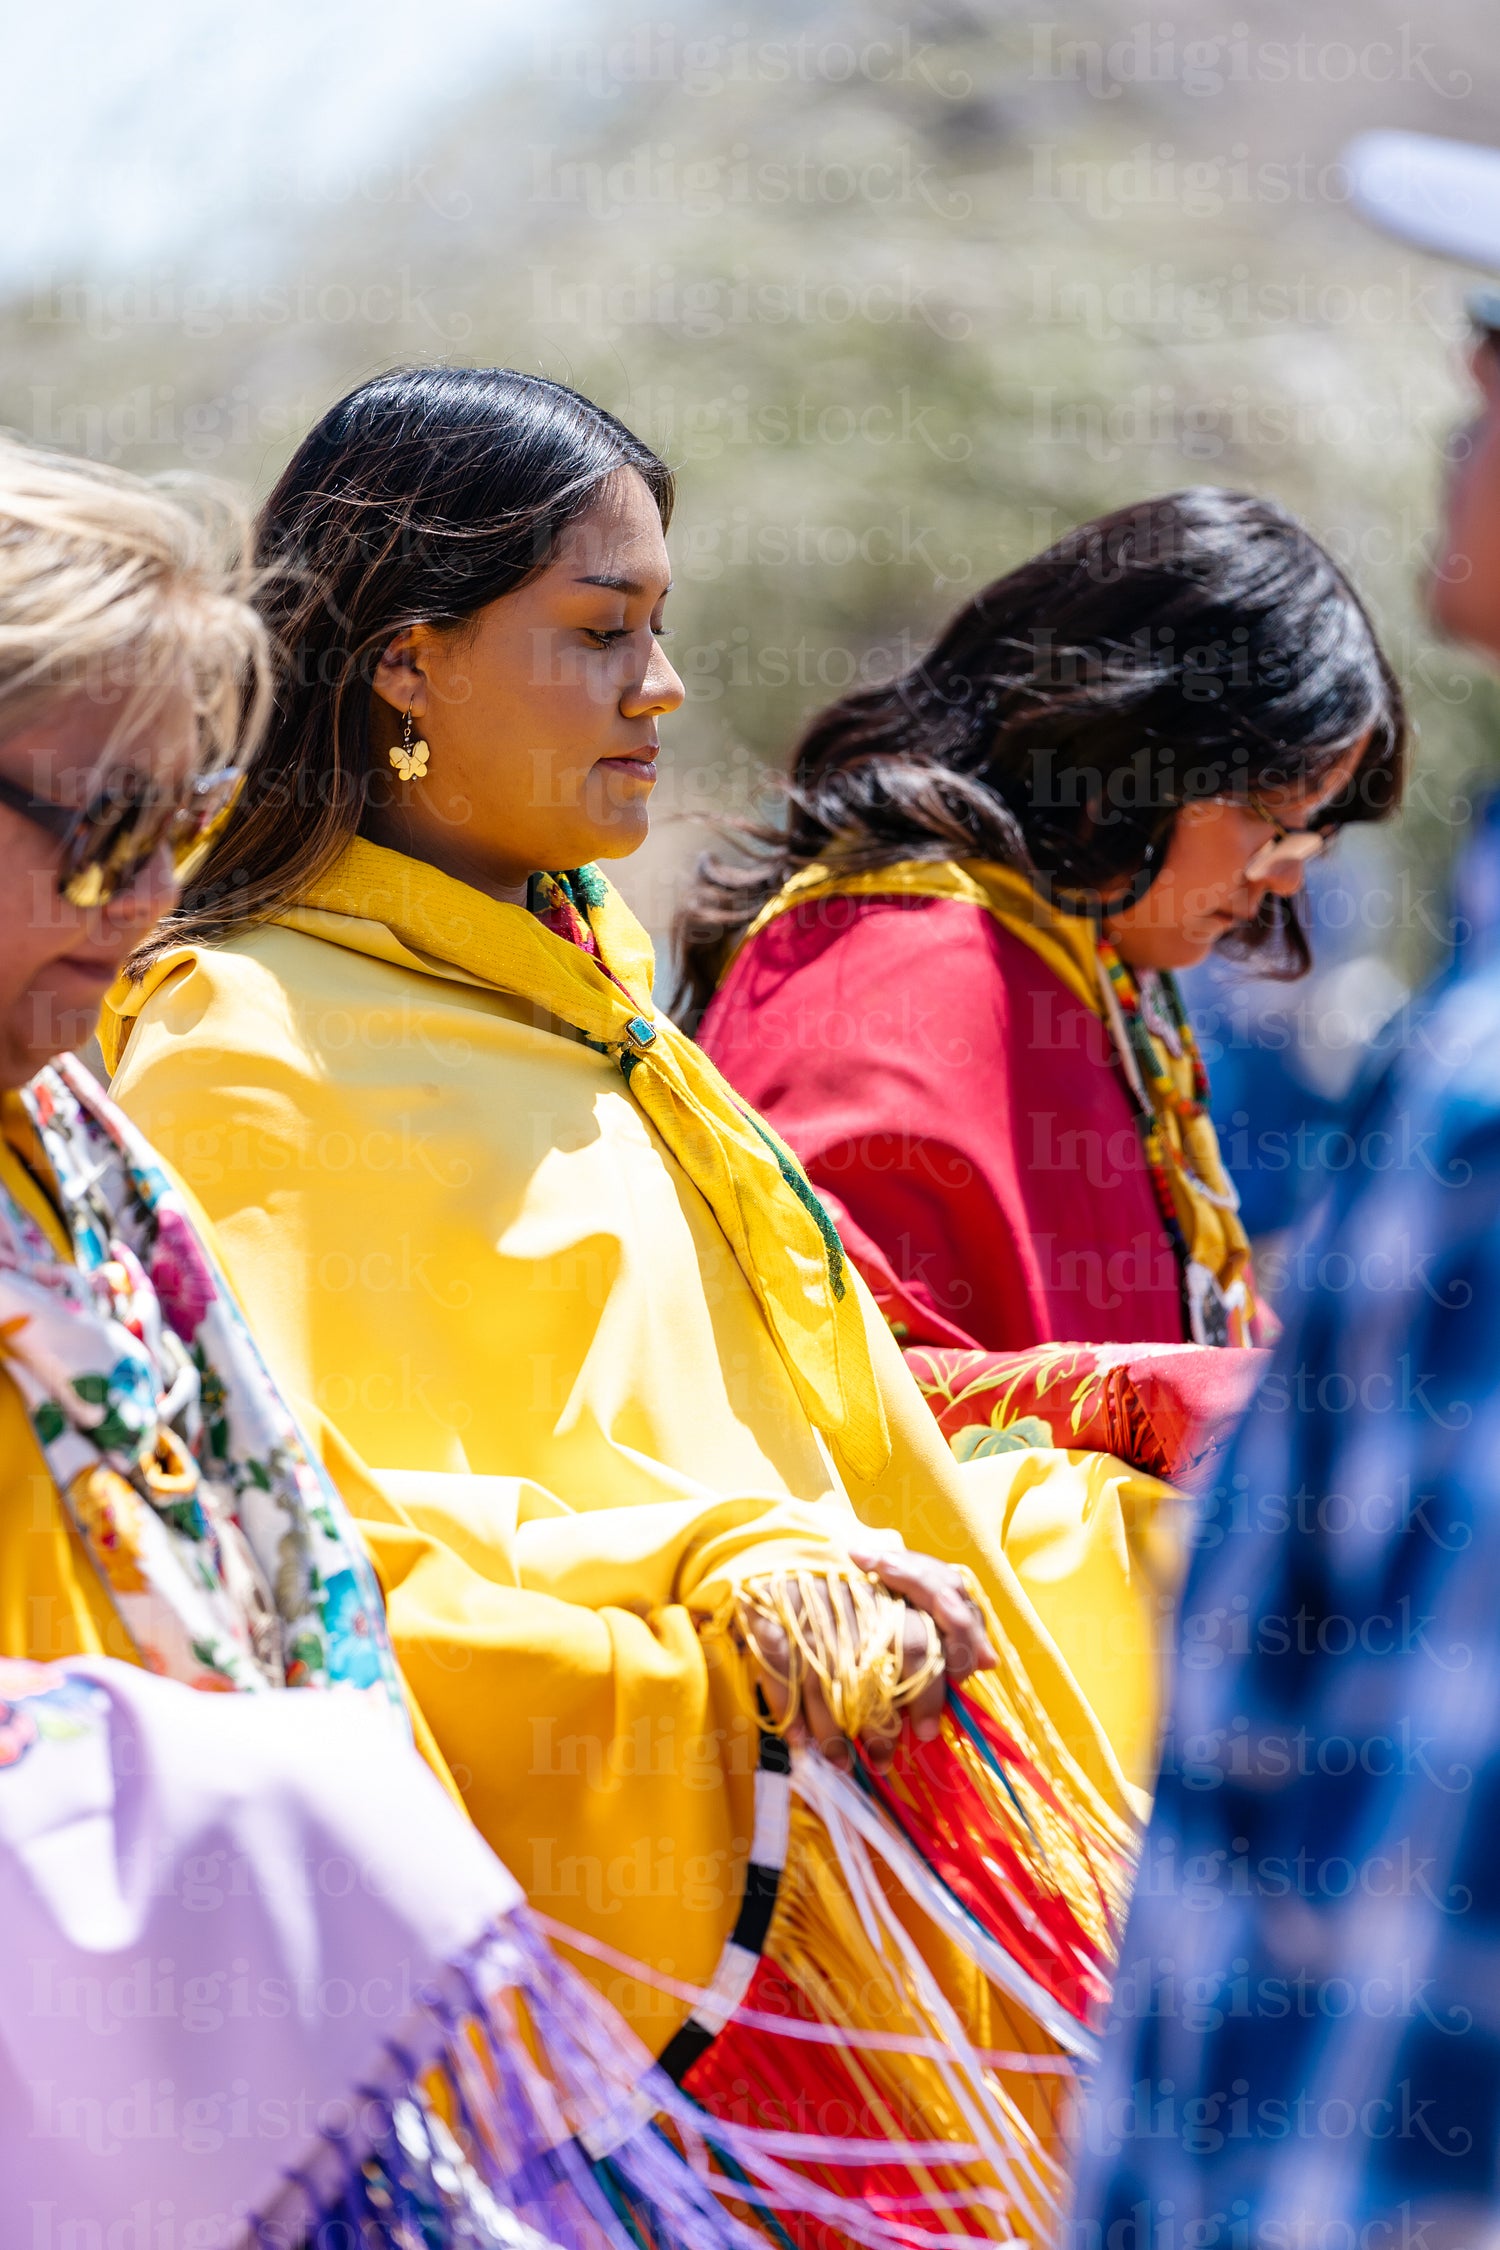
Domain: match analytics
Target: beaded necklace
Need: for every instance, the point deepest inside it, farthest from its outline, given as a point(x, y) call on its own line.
point(1157, 1097)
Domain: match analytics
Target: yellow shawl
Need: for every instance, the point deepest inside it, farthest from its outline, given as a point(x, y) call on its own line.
point(784, 1242)
point(1203, 1196)
point(518, 1287)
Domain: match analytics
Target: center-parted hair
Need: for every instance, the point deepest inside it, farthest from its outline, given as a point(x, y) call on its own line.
point(1201, 644)
point(419, 499)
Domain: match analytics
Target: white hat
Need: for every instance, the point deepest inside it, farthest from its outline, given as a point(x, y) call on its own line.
point(1440, 195)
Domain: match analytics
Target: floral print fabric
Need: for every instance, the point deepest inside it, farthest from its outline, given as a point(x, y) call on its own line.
point(224, 1548)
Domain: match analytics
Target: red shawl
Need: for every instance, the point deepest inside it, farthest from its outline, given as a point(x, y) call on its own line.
point(961, 1113)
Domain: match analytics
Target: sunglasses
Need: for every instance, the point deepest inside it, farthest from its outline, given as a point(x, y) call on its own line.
point(1483, 309)
point(1284, 847)
point(110, 843)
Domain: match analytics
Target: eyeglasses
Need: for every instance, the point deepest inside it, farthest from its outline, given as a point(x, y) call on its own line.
point(1483, 309)
point(109, 844)
point(1286, 847)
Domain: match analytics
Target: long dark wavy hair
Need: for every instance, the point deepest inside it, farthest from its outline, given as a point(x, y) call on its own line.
point(418, 499)
point(1197, 645)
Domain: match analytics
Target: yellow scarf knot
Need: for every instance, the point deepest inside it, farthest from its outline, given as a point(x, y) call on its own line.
point(781, 1236)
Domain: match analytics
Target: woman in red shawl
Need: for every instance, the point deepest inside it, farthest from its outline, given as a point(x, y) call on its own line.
point(946, 977)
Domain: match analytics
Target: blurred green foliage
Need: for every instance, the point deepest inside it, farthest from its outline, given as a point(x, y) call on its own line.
point(901, 291)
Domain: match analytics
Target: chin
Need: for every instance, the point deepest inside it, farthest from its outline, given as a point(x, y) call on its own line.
point(43, 1026)
point(21, 1058)
point(621, 838)
point(1172, 951)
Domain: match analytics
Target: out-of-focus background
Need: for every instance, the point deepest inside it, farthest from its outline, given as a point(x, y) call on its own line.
point(902, 291)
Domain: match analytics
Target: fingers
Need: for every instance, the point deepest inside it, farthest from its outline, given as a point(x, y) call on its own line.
point(930, 1589)
point(939, 1589)
point(818, 1721)
point(926, 1708)
point(769, 1659)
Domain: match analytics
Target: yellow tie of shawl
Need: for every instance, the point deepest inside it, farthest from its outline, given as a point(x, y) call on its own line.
point(780, 1234)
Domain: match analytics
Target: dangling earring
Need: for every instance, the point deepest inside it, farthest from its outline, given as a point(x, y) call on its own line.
point(410, 759)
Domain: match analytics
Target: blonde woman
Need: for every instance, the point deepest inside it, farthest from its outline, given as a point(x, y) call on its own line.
point(255, 1952)
point(643, 1456)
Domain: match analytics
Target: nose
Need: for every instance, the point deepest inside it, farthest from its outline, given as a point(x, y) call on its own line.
point(660, 690)
point(153, 894)
point(1286, 878)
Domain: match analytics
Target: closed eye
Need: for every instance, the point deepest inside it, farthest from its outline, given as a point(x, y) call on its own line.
point(606, 636)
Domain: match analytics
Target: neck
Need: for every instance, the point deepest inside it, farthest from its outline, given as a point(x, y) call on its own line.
point(507, 885)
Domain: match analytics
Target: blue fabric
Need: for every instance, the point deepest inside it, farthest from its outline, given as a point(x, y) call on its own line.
point(1305, 2044)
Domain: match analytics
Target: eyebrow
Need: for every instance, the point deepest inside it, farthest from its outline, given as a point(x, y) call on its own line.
point(616, 585)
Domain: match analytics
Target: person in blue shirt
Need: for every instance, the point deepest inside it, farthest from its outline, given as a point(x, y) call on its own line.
point(1304, 2049)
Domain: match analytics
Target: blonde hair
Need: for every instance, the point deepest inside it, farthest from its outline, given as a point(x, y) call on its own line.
point(125, 590)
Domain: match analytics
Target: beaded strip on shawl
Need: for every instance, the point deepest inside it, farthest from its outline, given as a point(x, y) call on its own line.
point(1218, 1312)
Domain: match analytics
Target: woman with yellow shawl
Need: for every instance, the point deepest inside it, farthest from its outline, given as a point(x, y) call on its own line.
point(263, 1981)
point(640, 1463)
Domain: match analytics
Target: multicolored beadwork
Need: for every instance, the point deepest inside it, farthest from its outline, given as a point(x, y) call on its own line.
point(1151, 1072)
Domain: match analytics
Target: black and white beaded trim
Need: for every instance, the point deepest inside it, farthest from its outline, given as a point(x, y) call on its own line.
point(746, 1941)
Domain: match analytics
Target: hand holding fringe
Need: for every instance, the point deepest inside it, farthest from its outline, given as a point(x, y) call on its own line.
point(845, 1654)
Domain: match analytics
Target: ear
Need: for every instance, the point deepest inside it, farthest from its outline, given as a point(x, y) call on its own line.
point(400, 675)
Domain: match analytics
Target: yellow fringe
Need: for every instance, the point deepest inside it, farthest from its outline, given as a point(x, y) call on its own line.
point(847, 1632)
point(819, 1939)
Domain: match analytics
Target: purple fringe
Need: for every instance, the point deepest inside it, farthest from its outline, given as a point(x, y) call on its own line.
point(559, 2144)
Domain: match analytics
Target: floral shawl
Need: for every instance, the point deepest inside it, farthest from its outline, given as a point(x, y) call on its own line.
point(224, 1548)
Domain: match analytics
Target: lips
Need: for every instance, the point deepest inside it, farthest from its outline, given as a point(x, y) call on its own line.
point(87, 966)
point(639, 764)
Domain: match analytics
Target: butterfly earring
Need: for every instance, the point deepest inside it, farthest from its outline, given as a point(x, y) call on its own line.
point(410, 758)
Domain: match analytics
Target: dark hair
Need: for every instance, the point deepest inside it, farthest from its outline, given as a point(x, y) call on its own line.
point(1198, 645)
point(419, 498)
